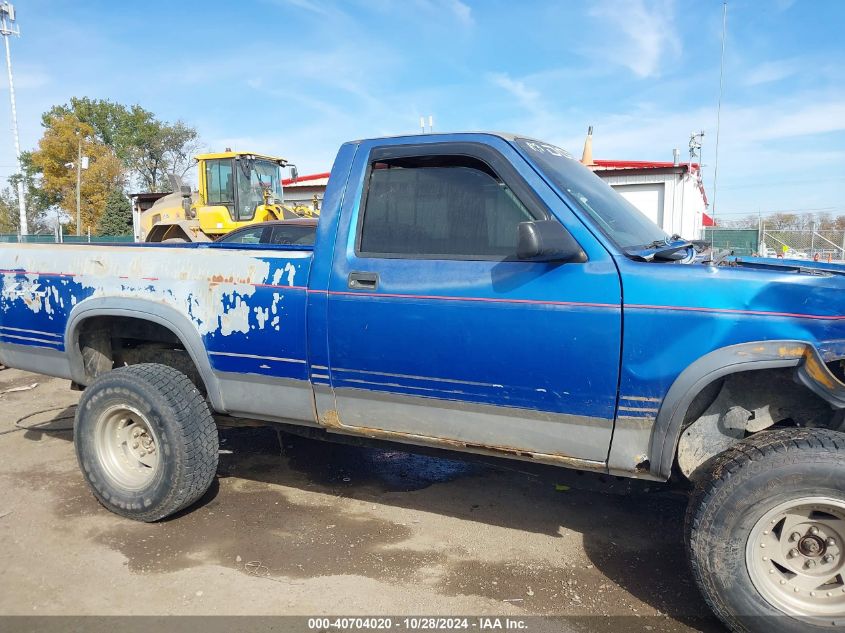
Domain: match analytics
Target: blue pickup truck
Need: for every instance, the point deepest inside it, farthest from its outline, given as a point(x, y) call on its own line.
point(484, 293)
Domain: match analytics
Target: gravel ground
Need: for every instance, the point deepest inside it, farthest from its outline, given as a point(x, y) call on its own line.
point(296, 526)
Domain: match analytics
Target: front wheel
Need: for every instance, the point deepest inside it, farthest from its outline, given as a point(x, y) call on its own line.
point(146, 441)
point(766, 532)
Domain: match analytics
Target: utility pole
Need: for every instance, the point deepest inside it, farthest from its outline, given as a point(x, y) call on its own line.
point(78, 185)
point(7, 28)
point(80, 163)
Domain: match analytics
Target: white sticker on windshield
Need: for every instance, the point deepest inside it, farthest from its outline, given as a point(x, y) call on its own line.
point(545, 148)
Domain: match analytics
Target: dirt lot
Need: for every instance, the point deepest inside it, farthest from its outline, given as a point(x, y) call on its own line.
point(294, 526)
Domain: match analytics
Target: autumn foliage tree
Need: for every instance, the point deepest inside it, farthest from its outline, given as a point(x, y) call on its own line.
point(61, 145)
point(149, 148)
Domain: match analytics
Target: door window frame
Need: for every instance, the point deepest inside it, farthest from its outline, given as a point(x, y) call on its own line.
point(491, 157)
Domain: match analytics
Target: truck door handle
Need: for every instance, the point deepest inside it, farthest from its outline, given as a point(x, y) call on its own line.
point(363, 281)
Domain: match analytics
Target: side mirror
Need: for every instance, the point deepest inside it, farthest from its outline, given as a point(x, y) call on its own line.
point(547, 241)
point(294, 173)
point(185, 190)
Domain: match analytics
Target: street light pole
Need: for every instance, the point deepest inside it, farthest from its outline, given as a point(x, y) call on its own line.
point(7, 19)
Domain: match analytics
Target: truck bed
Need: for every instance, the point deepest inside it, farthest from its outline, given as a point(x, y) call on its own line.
point(240, 311)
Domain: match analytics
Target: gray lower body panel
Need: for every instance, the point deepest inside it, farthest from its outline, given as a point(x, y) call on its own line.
point(39, 360)
point(265, 398)
point(510, 429)
point(630, 449)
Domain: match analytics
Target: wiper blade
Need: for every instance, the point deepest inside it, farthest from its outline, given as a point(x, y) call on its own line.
point(664, 242)
point(672, 248)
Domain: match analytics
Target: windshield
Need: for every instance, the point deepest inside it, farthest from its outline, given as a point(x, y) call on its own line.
point(620, 220)
point(254, 176)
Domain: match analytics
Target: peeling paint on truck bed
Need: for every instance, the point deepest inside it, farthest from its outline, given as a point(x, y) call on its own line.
point(231, 312)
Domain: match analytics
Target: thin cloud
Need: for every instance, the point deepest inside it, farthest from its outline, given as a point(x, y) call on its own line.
point(772, 71)
point(26, 79)
point(641, 36)
point(527, 97)
point(306, 5)
point(457, 9)
point(460, 10)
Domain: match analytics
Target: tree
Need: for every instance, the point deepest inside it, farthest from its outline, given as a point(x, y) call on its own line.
point(117, 216)
point(9, 218)
point(115, 125)
point(163, 149)
point(149, 148)
point(782, 220)
point(38, 202)
point(58, 147)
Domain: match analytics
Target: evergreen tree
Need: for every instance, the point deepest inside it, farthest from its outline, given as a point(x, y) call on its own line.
point(117, 216)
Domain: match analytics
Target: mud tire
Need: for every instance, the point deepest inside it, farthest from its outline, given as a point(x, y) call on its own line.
point(184, 432)
point(738, 489)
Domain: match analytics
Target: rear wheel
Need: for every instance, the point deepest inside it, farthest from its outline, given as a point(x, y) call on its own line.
point(766, 531)
point(146, 441)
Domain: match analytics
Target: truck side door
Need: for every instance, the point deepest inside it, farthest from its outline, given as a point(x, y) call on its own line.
point(437, 331)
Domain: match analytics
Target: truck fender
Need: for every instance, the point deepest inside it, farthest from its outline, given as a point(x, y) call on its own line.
point(811, 372)
point(160, 314)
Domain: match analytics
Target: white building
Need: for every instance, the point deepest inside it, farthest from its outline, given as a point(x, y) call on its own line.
point(671, 195)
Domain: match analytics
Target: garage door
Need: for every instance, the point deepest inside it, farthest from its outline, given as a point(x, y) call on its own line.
point(647, 197)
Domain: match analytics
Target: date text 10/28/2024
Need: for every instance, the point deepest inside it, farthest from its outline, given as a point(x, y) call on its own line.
point(482, 623)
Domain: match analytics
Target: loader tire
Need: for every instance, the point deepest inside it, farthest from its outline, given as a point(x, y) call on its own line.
point(146, 441)
point(766, 532)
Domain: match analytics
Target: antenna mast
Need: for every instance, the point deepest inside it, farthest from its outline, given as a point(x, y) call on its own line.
point(7, 28)
point(719, 107)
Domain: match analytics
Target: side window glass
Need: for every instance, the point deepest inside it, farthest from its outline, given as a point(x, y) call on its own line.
point(249, 236)
point(221, 186)
point(448, 206)
point(291, 234)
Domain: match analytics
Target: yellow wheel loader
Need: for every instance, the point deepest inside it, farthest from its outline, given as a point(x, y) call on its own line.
point(235, 189)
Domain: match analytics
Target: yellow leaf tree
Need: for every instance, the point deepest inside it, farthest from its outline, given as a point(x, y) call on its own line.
point(60, 146)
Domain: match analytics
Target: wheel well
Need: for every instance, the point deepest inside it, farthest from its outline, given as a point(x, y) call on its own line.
point(108, 342)
point(797, 404)
point(741, 404)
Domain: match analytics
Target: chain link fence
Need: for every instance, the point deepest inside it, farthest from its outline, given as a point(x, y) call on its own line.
point(768, 241)
point(803, 243)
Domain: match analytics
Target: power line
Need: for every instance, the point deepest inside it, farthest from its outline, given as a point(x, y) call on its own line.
point(756, 212)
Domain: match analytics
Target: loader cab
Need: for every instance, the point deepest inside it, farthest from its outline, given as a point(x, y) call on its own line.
point(235, 188)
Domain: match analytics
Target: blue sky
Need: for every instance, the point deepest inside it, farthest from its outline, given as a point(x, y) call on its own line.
point(298, 77)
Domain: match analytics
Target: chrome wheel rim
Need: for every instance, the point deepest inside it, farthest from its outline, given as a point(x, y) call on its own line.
point(127, 447)
point(796, 558)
